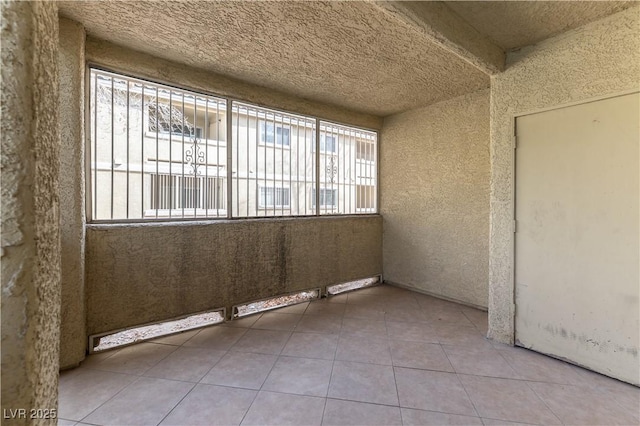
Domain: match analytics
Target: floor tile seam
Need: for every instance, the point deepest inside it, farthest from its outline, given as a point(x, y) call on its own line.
point(272, 367)
point(257, 392)
point(109, 399)
point(445, 412)
point(557, 416)
point(178, 403)
point(333, 363)
point(381, 404)
point(466, 392)
point(503, 420)
point(304, 357)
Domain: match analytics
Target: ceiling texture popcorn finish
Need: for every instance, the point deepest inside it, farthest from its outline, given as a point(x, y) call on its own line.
point(513, 24)
point(350, 54)
point(371, 57)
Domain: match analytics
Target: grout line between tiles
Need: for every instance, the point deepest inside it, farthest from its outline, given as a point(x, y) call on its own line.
point(462, 384)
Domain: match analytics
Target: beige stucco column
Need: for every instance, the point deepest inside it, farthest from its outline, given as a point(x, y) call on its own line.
point(30, 219)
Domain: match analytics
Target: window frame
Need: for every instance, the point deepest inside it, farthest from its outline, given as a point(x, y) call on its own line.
point(262, 130)
point(226, 107)
point(273, 206)
point(323, 190)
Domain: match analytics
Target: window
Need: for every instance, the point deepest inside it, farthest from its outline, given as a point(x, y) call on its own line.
point(160, 119)
point(328, 198)
point(274, 197)
point(170, 192)
point(159, 152)
point(273, 133)
point(327, 143)
point(366, 197)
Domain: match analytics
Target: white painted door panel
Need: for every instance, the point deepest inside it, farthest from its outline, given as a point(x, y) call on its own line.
point(577, 245)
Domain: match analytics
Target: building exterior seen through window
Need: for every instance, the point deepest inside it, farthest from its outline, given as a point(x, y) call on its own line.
point(159, 152)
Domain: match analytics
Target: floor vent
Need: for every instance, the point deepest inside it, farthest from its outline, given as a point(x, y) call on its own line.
point(352, 285)
point(275, 302)
point(129, 336)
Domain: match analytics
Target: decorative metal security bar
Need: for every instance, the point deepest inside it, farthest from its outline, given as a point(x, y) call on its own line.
point(348, 170)
point(160, 152)
point(273, 164)
point(157, 152)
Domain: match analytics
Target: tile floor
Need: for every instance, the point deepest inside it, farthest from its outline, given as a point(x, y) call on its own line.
point(376, 356)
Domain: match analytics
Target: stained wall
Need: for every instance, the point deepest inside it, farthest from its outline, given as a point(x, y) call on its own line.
point(30, 218)
point(148, 272)
point(434, 187)
point(598, 59)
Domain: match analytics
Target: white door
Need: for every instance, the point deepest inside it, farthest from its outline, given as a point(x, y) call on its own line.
point(577, 235)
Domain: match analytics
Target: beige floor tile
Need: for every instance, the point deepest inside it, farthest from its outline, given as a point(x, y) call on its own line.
point(145, 402)
point(298, 308)
point(627, 396)
point(339, 412)
point(416, 332)
point(65, 422)
point(217, 337)
point(427, 356)
point(241, 370)
point(243, 322)
point(186, 364)
point(277, 321)
point(581, 405)
point(505, 399)
point(494, 422)
point(83, 390)
point(326, 323)
point(363, 349)
point(536, 367)
point(135, 359)
point(302, 376)
point(421, 417)
point(363, 382)
point(176, 339)
point(476, 316)
point(364, 327)
point(433, 391)
point(325, 308)
point(469, 337)
point(405, 315)
point(479, 362)
point(281, 409)
point(337, 298)
point(355, 311)
point(369, 301)
point(262, 341)
point(311, 345)
point(453, 316)
point(211, 405)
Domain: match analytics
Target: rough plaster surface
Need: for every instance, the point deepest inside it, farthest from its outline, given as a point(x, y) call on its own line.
point(444, 28)
point(434, 187)
point(72, 210)
point(149, 272)
point(599, 59)
point(350, 54)
point(513, 24)
point(127, 61)
point(30, 230)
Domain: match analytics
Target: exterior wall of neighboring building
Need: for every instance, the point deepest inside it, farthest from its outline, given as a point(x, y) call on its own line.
point(435, 198)
point(30, 211)
point(598, 59)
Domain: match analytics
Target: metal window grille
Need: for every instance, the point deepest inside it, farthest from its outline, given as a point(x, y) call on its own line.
point(160, 152)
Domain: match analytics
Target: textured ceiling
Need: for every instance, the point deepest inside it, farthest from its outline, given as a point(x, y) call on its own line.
point(344, 53)
point(512, 24)
point(350, 53)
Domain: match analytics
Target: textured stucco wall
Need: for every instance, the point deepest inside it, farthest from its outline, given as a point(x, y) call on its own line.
point(148, 272)
point(598, 59)
point(434, 170)
point(139, 64)
point(71, 116)
point(30, 229)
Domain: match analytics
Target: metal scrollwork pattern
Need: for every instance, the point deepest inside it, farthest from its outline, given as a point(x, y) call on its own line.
point(195, 157)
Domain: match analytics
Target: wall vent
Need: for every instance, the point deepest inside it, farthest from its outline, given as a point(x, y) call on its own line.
point(353, 285)
point(275, 302)
point(119, 338)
